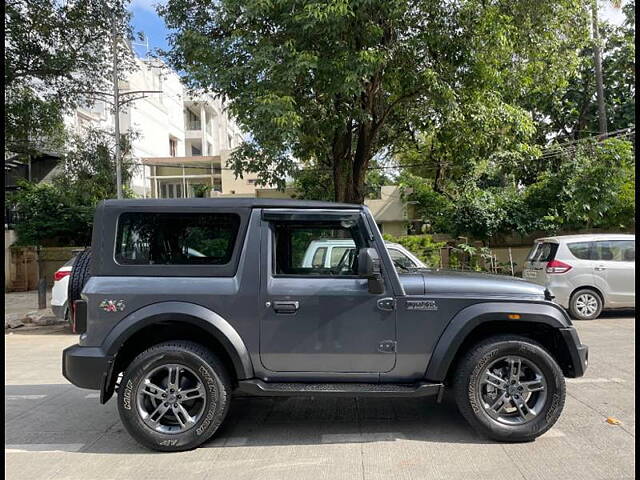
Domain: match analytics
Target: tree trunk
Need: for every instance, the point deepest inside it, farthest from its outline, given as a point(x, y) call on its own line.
point(602, 112)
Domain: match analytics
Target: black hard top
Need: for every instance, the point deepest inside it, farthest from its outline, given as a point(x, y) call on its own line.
point(231, 202)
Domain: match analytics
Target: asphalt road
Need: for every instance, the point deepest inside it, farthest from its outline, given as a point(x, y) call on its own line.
point(54, 430)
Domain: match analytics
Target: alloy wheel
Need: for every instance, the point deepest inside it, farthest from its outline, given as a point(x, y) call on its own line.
point(171, 398)
point(586, 304)
point(512, 390)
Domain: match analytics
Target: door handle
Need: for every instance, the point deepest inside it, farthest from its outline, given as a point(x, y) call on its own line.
point(599, 268)
point(287, 306)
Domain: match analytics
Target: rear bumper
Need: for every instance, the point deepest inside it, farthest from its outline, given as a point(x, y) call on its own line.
point(578, 353)
point(85, 367)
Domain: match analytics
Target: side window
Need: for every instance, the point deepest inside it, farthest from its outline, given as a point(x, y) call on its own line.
point(176, 238)
point(337, 253)
point(616, 250)
point(400, 260)
point(293, 242)
point(318, 257)
point(582, 250)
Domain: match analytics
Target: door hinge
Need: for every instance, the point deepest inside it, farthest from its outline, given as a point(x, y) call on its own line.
point(387, 346)
point(387, 303)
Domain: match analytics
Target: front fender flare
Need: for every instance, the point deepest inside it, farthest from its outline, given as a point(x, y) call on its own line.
point(470, 317)
point(188, 312)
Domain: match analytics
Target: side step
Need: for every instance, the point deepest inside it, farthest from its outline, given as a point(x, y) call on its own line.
point(267, 389)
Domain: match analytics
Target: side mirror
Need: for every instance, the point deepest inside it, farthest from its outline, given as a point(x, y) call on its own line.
point(369, 268)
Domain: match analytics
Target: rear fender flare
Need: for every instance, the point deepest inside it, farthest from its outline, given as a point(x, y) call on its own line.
point(470, 317)
point(192, 313)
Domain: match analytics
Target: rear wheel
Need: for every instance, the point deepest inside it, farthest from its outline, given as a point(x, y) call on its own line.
point(509, 389)
point(174, 396)
point(585, 304)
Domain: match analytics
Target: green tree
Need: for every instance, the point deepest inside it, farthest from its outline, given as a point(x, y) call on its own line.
point(55, 52)
point(337, 83)
point(60, 213)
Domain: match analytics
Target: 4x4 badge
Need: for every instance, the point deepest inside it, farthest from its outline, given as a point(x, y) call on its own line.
point(422, 305)
point(112, 305)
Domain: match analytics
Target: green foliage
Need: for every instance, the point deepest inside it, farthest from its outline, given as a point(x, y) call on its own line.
point(48, 216)
point(55, 52)
point(422, 246)
point(571, 112)
point(338, 83)
point(200, 190)
point(61, 213)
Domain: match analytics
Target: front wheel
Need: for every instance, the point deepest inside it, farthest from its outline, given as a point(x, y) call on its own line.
point(174, 396)
point(509, 389)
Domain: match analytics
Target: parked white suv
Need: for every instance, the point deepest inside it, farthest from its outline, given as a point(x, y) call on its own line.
point(328, 254)
point(585, 273)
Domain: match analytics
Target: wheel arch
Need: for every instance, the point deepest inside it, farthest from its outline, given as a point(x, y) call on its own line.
point(539, 322)
point(173, 321)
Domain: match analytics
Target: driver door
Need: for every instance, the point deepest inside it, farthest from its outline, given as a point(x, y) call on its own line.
point(319, 318)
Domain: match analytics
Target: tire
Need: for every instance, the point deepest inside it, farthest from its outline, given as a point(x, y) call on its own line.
point(585, 304)
point(80, 274)
point(207, 411)
point(473, 401)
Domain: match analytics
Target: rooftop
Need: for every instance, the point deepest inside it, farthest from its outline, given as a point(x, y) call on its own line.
point(227, 202)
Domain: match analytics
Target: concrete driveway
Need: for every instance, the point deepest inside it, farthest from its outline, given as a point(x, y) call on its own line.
point(54, 430)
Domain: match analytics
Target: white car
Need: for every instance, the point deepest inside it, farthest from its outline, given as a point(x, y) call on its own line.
point(328, 253)
point(60, 290)
point(585, 273)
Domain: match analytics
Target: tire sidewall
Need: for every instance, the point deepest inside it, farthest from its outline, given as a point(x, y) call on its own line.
point(477, 416)
point(216, 402)
point(574, 298)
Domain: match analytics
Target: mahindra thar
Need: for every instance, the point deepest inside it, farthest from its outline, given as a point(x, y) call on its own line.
point(182, 303)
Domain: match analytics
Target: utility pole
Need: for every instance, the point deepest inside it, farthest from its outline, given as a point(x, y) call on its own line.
point(116, 107)
point(597, 54)
point(119, 100)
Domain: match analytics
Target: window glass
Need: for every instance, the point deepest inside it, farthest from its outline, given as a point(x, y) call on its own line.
point(582, 250)
point(337, 254)
point(176, 238)
point(400, 260)
point(318, 257)
point(296, 248)
point(616, 250)
point(543, 252)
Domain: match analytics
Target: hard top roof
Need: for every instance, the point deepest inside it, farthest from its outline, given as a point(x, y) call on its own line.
point(237, 202)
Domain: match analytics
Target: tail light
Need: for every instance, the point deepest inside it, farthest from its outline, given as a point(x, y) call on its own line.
point(60, 274)
point(556, 266)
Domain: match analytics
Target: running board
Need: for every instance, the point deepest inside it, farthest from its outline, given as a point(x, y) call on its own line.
point(257, 387)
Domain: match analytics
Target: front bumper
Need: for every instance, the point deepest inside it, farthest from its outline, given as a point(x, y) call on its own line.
point(59, 311)
point(86, 367)
point(578, 353)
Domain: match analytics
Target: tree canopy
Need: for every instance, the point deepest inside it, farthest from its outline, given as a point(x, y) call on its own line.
point(55, 52)
point(335, 84)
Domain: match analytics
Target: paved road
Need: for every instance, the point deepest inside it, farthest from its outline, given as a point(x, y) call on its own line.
point(54, 430)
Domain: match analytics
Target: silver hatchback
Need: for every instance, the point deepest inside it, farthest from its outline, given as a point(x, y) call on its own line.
point(585, 273)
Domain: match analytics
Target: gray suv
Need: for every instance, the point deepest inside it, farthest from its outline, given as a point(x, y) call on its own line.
point(180, 304)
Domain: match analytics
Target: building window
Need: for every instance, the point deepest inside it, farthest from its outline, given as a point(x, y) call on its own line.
point(230, 139)
point(193, 121)
point(173, 147)
point(195, 151)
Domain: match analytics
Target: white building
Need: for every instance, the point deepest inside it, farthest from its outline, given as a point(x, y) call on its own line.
point(182, 141)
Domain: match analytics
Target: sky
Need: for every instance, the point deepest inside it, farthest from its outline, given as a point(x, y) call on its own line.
point(145, 19)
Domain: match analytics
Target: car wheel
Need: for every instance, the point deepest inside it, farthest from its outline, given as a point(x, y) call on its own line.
point(585, 304)
point(174, 396)
point(509, 389)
